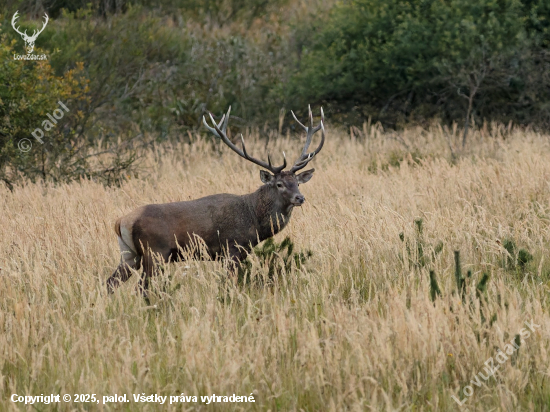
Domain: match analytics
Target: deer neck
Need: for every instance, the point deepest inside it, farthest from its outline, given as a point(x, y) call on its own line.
point(271, 214)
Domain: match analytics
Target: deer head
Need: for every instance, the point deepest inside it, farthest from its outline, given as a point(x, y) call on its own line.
point(29, 40)
point(283, 184)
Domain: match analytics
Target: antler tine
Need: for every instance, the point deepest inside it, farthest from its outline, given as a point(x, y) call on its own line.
point(219, 131)
point(269, 166)
point(228, 142)
point(305, 157)
point(221, 125)
point(277, 167)
point(301, 163)
point(224, 124)
point(246, 156)
point(211, 129)
point(299, 122)
point(310, 132)
point(281, 168)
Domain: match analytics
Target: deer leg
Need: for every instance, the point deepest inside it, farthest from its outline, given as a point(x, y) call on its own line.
point(120, 275)
point(235, 255)
point(149, 268)
point(129, 260)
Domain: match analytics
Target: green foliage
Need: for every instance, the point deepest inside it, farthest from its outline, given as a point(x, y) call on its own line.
point(143, 71)
point(524, 257)
point(516, 260)
point(276, 259)
point(434, 287)
point(538, 21)
point(462, 283)
point(156, 66)
point(482, 285)
point(419, 253)
point(32, 92)
point(396, 59)
point(150, 71)
point(131, 62)
point(220, 11)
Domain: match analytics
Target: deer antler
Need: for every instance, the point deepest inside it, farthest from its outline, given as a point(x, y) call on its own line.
point(306, 157)
point(219, 131)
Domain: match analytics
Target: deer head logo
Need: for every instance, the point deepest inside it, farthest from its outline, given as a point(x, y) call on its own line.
point(29, 40)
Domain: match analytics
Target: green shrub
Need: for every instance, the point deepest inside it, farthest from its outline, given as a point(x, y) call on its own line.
point(399, 59)
point(156, 66)
point(64, 152)
point(516, 259)
point(419, 253)
point(220, 11)
point(150, 71)
point(276, 259)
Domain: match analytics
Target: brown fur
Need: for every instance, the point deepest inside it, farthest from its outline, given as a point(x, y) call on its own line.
point(229, 225)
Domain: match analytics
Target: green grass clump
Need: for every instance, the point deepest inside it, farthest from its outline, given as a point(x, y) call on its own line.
point(276, 259)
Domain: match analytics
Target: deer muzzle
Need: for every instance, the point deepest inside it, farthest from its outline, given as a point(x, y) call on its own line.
point(298, 200)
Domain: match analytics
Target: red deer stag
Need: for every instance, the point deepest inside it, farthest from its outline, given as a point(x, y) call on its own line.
point(229, 225)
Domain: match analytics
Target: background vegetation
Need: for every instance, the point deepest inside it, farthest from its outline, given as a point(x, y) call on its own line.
point(156, 66)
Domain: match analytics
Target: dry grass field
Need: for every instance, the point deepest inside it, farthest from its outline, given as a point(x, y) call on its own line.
point(353, 329)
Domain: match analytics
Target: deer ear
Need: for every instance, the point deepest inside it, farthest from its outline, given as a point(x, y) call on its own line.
point(305, 176)
point(266, 177)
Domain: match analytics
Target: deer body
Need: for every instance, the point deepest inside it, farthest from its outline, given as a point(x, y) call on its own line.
point(227, 225)
point(219, 220)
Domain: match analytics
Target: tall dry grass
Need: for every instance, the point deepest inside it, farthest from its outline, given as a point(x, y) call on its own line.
point(354, 329)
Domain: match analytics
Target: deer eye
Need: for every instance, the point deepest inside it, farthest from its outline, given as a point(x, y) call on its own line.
point(279, 185)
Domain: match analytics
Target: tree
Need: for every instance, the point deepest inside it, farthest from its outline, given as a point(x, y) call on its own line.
point(391, 55)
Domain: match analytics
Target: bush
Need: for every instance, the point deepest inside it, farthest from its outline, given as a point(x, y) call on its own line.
point(156, 66)
point(153, 72)
point(63, 152)
point(404, 59)
point(276, 258)
point(220, 11)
